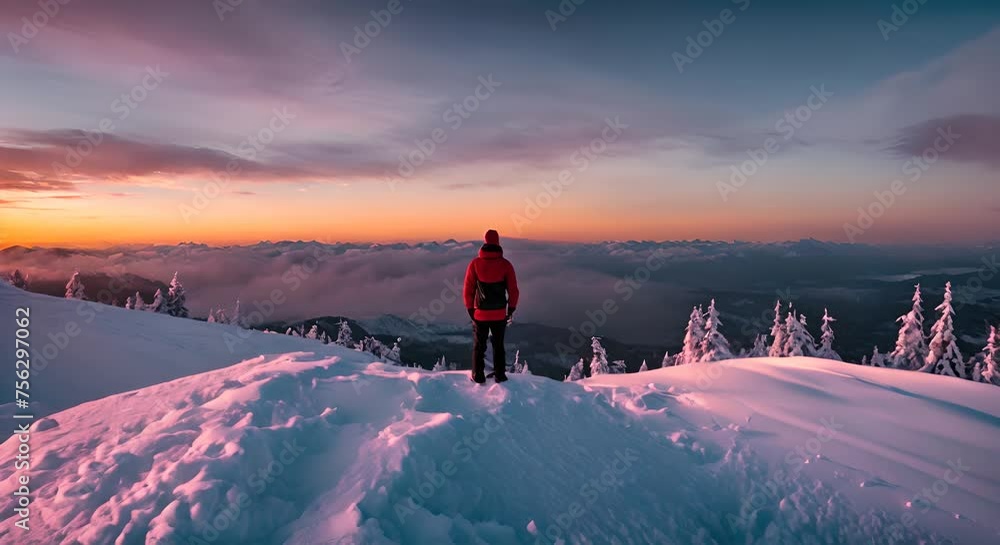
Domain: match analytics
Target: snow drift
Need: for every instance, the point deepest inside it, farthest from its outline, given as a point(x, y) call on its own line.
point(334, 448)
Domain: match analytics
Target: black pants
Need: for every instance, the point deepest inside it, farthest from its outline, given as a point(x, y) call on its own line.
point(482, 330)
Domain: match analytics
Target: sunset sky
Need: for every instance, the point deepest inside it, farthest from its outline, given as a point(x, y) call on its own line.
point(156, 98)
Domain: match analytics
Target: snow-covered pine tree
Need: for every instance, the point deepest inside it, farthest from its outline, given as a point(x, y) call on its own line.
point(129, 302)
point(524, 368)
point(990, 365)
point(516, 367)
point(693, 336)
point(159, 304)
point(599, 364)
point(864, 361)
point(75, 288)
point(138, 303)
point(798, 341)
point(211, 316)
point(237, 318)
point(668, 360)
point(17, 279)
point(911, 344)
point(452, 366)
point(393, 355)
point(779, 334)
point(177, 299)
point(292, 332)
point(878, 359)
point(826, 350)
point(714, 346)
point(575, 372)
point(943, 356)
point(313, 333)
point(759, 349)
point(618, 367)
point(643, 367)
point(441, 365)
point(221, 317)
point(344, 335)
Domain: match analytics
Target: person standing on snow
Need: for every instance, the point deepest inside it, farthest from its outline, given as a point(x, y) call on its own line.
point(491, 297)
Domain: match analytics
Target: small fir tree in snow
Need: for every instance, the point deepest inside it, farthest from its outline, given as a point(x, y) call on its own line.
point(798, 341)
point(826, 350)
point(944, 357)
point(714, 346)
point(520, 366)
point(668, 360)
point(18, 280)
point(759, 349)
point(211, 315)
point(138, 303)
point(344, 335)
point(864, 361)
point(779, 334)
point(990, 364)
point(643, 367)
point(159, 304)
point(221, 317)
point(878, 359)
point(237, 318)
point(75, 288)
point(693, 336)
point(129, 302)
point(441, 365)
point(599, 363)
point(911, 344)
point(618, 367)
point(393, 355)
point(575, 372)
point(177, 299)
point(313, 333)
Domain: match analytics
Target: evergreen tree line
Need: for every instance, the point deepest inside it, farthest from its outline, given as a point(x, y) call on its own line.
point(916, 350)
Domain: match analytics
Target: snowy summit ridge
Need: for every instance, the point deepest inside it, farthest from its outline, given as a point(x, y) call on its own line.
point(307, 448)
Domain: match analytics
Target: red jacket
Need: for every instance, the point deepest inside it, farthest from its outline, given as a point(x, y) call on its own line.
point(490, 285)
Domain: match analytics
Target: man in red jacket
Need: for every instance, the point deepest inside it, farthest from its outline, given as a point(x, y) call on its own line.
point(491, 297)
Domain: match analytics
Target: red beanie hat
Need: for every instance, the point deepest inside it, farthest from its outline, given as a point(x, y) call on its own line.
point(492, 237)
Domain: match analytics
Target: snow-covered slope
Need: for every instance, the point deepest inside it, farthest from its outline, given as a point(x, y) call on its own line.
point(85, 351)
point(334, 448)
